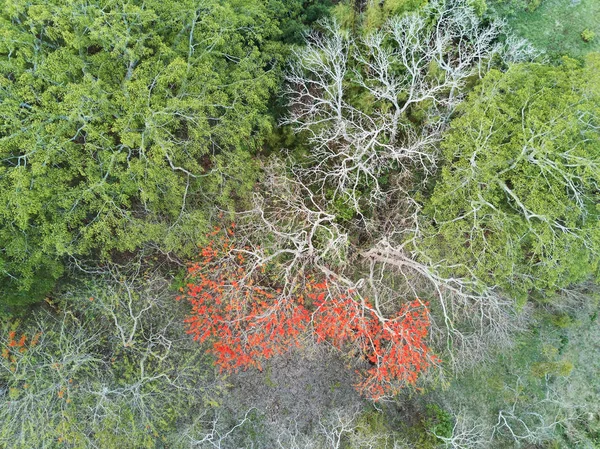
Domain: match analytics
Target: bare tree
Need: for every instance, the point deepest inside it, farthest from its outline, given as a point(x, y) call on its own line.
point(467, 433)
point(303, 234)
point(305, 238)
point(410, 76)
point(105, 366)
point(406, 69)
point(409, 71)
point(340, 428)
point(529, 424)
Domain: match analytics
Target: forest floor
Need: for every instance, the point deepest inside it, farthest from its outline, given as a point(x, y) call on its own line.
point(556, 26)
point(296, 387)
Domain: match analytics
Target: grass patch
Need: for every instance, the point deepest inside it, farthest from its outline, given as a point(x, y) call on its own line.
point(556, 26)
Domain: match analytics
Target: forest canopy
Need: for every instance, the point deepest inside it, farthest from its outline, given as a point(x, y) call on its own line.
point(305, 224)
point(122, 121)
point(517, 200)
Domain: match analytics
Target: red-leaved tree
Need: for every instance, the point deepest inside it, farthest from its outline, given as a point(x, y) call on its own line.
point(245, 321)
point(245, 318)
point(395, 347)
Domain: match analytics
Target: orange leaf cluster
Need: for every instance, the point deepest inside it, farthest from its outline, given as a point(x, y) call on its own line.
point(246, 324)
point(395, 348)
point(19, 344)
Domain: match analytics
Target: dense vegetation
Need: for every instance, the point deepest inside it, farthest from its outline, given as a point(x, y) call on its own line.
point(122, 121)
point(298, 224)
point(517, 200)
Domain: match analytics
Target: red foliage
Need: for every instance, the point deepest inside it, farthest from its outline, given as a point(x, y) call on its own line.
point(395, 348)
point(13, 345)
point(246, 323)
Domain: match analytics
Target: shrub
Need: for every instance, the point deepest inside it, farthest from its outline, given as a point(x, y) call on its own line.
point(588, 35)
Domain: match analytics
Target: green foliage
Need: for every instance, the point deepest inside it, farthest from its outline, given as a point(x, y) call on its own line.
point(545, 381)
point(480, 6)
point(516, 204)
point(560, 368)
point(345, 14)
point(296, 16)
point(372, 428)
point(588, 35)
point(374, 13)
point(561, 320)
point(378, 11)
point(124, 123)
point(395, 7)
point(425, 423)
point(437, 422)
point(342, 210)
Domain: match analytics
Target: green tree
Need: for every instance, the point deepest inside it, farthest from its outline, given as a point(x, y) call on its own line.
point(517, 201)
point(122, 123)
point(296, 16)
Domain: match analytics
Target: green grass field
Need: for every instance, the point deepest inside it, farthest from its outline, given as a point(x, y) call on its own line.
point(556, 26)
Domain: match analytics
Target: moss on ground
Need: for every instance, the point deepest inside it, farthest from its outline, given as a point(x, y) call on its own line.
point(556, 26)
